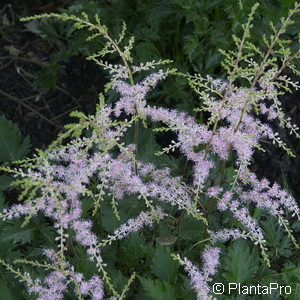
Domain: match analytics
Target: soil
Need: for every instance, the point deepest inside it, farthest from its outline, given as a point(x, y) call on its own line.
point(42, 115)
point(23, 53)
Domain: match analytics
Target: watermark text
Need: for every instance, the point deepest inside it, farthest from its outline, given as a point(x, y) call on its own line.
point(258, 289)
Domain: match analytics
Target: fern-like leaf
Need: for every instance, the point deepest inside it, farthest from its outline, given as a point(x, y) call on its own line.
point(12, 145)
point(157, 290)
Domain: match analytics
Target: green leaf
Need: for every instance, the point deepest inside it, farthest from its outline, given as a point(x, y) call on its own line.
point(157, 290)
point(163, 266)
point(5, 291)
point(46, 78)
point(5, 182)
point(291, 273)
point(131, 250)
point(191, 46)
point(291, 277)
point(147, 145)
point(229, 173)
point(240, 265)
point(118, 278)
point(12, 145)
point(109, 221)
point(191, 229)
point(295, 295)
point(186, 291)
point(276, 238)
point(16, 234)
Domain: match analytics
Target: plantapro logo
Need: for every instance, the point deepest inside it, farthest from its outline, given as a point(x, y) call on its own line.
point(233, 288)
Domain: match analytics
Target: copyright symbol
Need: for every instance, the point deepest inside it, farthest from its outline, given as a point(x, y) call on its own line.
point(218, 288)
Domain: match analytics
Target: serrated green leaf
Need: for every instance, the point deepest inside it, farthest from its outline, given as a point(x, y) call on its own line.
point(163, 266)
point(157, 290)
point(240, 265)
point(276, 238)
point(46, 78)
point(191, 46)
point(109, 221)
point(131, 249)
point(15, 234)
point(295, 295)
point(191, 229)
point(146, 51)
point(291, 273)
point(186, 291)
point(12, 145)
point(24, 148)
point(118, 278)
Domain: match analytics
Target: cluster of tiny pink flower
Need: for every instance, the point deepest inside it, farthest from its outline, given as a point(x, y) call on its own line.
point(200, 279)
point(65, 176)
point(134, 225)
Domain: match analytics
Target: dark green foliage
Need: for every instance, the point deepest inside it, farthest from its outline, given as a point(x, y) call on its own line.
point(291, 276)
point(163, 266)
point(132, 252)
point(13, 234)
point(188, 32)
point(5, 291)
point(276, 238)
point(156, 290)
point(240, 263)
point(12, 145)
point(191, 229)
point(5, 182)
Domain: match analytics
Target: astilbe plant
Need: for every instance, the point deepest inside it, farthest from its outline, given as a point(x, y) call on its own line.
point(55, 181)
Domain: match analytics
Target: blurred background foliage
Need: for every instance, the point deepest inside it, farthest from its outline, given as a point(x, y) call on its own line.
point(188, 32)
